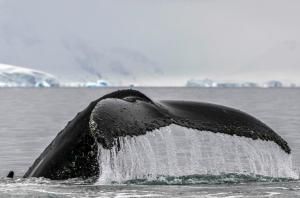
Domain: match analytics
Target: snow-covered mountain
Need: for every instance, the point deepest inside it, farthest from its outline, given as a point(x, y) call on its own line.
point(76, 45)
point(14, 76)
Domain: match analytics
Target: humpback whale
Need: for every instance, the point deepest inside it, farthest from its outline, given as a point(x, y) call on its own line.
point(74, 153)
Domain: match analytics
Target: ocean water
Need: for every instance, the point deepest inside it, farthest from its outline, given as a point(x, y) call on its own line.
point(31, 118)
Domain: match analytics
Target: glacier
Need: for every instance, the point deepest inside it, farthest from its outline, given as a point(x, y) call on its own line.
point(15, 76)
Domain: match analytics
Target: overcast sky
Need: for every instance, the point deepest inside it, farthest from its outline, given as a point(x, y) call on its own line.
point(154, 42)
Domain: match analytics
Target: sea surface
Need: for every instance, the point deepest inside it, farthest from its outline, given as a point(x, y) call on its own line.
point(31, 118)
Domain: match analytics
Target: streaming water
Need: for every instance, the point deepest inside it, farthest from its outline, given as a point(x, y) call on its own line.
point(176, 151)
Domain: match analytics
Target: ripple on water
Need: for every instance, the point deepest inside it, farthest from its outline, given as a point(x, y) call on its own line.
point(210, 186)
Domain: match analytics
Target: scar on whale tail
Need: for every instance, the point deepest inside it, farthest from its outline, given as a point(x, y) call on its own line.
point(74, 151)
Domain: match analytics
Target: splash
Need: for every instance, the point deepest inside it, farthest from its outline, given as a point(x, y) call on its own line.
point(179, 152)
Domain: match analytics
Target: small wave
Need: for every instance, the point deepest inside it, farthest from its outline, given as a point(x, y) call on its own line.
point(231, 178)
point(206, 179)
point(163, 186)
point(41, 181)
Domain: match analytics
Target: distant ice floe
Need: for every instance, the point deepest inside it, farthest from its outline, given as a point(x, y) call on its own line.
point(89, 84)
point(212, 83)
point(97, 83)
point(201, 83)
point(273, 83)
point(14, 76)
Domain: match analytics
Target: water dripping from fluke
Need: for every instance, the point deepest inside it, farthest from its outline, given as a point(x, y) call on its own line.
point(178, 155)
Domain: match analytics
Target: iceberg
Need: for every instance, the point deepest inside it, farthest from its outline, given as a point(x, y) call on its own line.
point(201, 83)
point(229, 85)
point(245, 84)
point(249, 84)
point(211, 83)
point(89, 84)
point(273, 84)
point(14, 76)
point(98, 83)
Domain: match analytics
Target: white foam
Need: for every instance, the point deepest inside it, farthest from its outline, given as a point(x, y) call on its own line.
point(178, 151)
